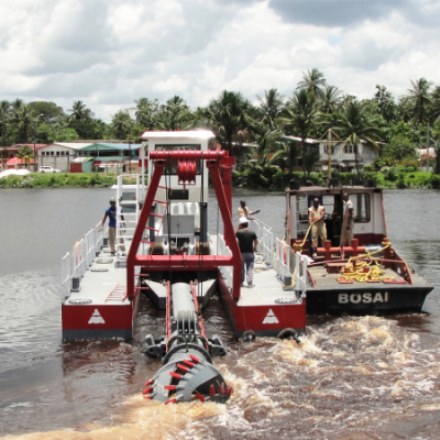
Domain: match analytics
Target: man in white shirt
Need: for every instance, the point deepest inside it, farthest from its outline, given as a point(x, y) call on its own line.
point(347, 221)
point(316, 218)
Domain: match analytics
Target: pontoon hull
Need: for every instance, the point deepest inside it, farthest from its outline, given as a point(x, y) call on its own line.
point(368, 299)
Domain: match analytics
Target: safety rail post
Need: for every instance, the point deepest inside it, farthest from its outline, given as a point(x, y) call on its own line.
point(301, 262)
point(66, 271)
point(266, 239)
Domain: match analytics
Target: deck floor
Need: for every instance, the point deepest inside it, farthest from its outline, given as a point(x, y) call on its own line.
point(98, 283)
point(329, 281)
point(268, 288)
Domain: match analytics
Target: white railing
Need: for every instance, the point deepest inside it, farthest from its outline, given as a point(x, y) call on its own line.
point(301, 262)
point(75, 263)
point(125, 228)
point(282, 258)
point(226, 271)
point(265, 240)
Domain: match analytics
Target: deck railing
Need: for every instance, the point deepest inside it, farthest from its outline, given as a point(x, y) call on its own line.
point(282, 258)
point(265, 239)
point(75, 263)
point(301, 262)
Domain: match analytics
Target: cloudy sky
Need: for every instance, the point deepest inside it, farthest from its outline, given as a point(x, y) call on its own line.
point(109, 53)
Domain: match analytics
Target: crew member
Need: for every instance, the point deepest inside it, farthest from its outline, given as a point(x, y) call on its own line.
point(247, 242)
point(244, 211)
point(347, 221)
point(111, 214)
point(316, 218)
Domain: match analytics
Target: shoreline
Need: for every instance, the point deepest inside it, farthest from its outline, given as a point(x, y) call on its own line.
point(280, 181)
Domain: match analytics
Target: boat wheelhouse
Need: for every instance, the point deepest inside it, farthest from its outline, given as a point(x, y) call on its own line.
point(368, 275)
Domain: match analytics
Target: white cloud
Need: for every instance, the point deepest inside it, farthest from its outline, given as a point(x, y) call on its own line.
point(109, 53)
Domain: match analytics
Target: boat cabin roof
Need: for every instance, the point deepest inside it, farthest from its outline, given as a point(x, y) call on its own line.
point(191, 134)
point(323, 190)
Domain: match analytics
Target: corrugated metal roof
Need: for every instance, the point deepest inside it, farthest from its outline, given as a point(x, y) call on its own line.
point(73, 145)
point(109, 146)
point(299, 139)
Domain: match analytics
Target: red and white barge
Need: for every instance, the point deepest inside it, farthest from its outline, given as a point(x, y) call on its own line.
point(163, 240)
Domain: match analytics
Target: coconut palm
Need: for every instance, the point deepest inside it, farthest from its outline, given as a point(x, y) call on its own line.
point(286, 156)
point(25, 154)
point(420, 100)
point(78, 110)
point(23, 119)
point(313, 81)
point(175, 115)
point(330, 99)
point(122, 124)
point(17, 104)
point(229, 117)
point(356, 125)
point(271, 107)
point(146, 113)
point(301, 117)
point(259, 168)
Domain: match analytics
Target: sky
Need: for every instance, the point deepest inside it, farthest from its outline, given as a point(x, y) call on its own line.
point(109, 53)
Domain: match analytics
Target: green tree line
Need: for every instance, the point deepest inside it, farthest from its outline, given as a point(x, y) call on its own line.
point(395, 127)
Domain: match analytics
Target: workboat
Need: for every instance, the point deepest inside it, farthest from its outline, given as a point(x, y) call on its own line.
point(165, 252)
point(366, 276)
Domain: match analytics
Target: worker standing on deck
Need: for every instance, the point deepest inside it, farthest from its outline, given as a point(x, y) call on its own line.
point(247, 242)
point(111, 214)
point(244, 211)
point(318, 228)
point(347, 221)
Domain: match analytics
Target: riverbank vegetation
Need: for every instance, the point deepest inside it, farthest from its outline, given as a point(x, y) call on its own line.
point(257, 133)
point(58, 180)
point(397, 177)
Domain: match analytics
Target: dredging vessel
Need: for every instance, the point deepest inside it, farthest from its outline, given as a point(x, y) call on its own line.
point(165, 251)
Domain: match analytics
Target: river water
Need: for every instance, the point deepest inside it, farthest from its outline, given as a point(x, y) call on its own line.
point(350, 377)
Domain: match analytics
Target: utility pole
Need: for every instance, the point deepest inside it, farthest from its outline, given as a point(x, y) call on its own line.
point(330, 143)
point(35, 132)
point(427, 146)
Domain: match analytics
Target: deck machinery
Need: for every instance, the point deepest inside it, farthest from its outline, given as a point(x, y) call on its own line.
point(165, 252)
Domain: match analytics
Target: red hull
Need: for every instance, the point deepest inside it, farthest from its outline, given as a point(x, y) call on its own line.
point(263, 320)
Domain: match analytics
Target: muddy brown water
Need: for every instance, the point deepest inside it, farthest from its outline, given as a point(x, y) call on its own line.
point(350, 378)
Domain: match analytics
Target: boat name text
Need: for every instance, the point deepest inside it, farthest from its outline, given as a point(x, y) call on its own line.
point(365, 298)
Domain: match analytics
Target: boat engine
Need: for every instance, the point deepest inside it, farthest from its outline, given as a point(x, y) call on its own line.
point(187, 354)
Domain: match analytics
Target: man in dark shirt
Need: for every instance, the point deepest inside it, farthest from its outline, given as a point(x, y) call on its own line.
point(247, 242)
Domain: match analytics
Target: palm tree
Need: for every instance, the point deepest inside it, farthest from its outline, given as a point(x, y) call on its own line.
point(25, 154)
point(302, 116)
point(259, 168)
point(146, 113)
point(4, 116)
point(121, 124)
point(420, 100)
point(23, 118)
point(313, 81)
point(175, 115)
point(17, 104)
point(271, 107)
point(330, 99)
point(286, 156)
point(78, 110)
point(356, 125)
point(229, 117)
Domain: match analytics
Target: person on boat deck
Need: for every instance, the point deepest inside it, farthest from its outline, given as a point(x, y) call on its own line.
point(111, 214)
point(247, 242)
point(316, 218)
point(347, 221)
point(244, 211)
